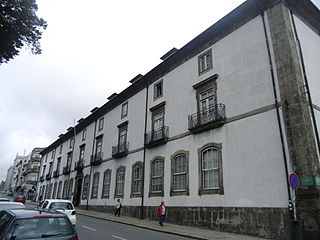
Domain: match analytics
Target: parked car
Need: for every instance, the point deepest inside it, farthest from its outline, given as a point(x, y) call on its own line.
point(2, 199)
point(64, 206)
point(35, 224)
point(11, 205)
point(20, 198)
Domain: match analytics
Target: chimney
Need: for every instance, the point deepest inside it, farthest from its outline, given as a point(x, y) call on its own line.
point(94, 109)
point(136, 78)
point(169, 54)
point(112, 96)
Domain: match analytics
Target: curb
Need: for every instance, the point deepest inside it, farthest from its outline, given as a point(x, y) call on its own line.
point(148, 228)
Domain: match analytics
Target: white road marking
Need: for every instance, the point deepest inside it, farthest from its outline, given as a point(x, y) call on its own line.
point(92, 229)
point(119, 237)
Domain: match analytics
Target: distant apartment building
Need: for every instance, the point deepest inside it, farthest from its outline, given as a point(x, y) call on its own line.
point(31, 172)
point(19, 167)
point(9, 177)
point(214, 131)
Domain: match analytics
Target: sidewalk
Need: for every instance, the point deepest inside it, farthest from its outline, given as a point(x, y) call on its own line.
point(184, 231)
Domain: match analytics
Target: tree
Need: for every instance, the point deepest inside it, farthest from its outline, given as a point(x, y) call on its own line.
point(19, 26)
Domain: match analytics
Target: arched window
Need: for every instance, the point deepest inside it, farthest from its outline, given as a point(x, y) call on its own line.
point(59, 190)
point(70, 190)
point(95, 185)
point(54, 190)
point(50, 191)
point(106, 184)
point(157, 174)
point(120, 182)
point(137, 178)
point(85, 187)
point(210, 166)
point(179, 173)
point(65, 189)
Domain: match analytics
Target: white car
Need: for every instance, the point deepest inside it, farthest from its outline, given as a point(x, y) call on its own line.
point(64, 206)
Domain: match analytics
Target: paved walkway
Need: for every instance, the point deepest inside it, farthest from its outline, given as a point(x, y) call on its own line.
point(184, 231)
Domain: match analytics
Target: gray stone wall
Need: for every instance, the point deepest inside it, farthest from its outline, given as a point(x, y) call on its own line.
point(297, 119)
point(271, 223)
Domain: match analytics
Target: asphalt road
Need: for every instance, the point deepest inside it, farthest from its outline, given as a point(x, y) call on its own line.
point(95, 229)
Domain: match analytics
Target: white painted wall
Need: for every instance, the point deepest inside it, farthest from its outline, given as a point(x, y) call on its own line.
point(253, 171)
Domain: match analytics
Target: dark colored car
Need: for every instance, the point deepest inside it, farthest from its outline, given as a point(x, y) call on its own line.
point(20, 198)
point(35, 224)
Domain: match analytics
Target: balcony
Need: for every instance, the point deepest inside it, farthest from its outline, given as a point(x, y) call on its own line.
point(48, 176)
point(41, 179)
point(79, 165)
point(31, 182)
point(66, 170)
point(96, 158)
point(55, 174)
point(120, 150)
point(207, 119)
point(156, 137)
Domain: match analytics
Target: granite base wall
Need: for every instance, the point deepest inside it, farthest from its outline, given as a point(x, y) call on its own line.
point(270, 223)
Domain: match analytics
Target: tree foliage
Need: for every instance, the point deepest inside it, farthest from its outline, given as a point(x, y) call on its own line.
point(19, 26)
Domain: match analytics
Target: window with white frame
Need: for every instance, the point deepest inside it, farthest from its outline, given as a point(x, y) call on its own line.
point(137, 178)
point(54, 190)
point(70, 188)
point(81, 155)
point(124, 110)
point(85, 187)
point(179, 172)
point(158, 90)
point(106, 184)
point(210, 166)
point(52, 154)
point(61, 146)
point(101, 122)
point(120, 177)
point(95, 185)
point(205, 62)
point(157, 174)
point(71, 142)
point(84, 134)
point(65, 189)
point(59, 190)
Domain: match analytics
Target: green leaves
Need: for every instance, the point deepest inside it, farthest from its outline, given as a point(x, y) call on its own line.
point(19, 26)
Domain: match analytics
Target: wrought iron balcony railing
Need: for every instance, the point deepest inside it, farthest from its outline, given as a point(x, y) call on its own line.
point(48, 176)
point(55, 173)
point(120, 150)
point(41, 179)
point(209, 118)
point(96, 158)
point(156, 137)
point(66, 170)
point(79, 164)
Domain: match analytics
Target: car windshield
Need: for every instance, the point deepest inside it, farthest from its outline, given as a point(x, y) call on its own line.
point(61, 205)
point(8, 206)
point(40, 227)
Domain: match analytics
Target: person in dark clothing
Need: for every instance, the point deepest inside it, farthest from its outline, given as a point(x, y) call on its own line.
point(118, 208)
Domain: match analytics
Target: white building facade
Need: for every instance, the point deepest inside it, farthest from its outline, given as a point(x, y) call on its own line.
point(214, 130)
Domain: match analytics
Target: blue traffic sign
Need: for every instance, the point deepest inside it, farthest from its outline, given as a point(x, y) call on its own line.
point(294, 181)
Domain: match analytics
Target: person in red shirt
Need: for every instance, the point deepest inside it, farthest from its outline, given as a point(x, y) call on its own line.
point(161, 212)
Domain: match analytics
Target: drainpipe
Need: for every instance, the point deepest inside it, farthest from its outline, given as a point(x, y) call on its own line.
point(74, 143)
point(92, 152)
point(144, 154)
point(306, 82)
point(292, 208)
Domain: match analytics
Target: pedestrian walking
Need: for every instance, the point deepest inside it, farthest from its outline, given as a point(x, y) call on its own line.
point(161, 212)
point(118, 208)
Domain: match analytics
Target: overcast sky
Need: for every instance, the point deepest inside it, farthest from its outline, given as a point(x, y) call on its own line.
point(90, 50)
